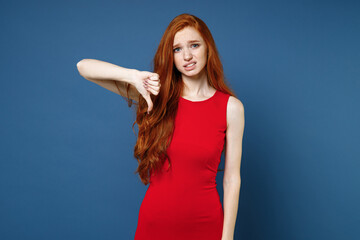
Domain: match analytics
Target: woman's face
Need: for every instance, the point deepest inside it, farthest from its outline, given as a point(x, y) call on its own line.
point(189, 47)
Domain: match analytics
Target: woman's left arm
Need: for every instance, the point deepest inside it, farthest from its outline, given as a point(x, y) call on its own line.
point(233, 149)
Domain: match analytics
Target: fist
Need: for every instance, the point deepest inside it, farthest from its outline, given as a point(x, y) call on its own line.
point(147, 83)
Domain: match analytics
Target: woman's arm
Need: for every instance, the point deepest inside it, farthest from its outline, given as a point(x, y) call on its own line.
point(117, 79)
point(232, 181)
point(109, 76)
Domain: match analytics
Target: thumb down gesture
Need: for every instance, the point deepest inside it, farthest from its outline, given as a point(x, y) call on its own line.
point(146, 83)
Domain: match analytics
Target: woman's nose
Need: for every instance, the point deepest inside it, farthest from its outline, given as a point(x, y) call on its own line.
point(187, 55)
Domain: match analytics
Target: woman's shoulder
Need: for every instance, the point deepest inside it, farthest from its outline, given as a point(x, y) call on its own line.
point(235, 110)
point(232, 102)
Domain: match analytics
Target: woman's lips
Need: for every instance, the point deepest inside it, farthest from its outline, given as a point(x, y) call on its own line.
point(190, 68)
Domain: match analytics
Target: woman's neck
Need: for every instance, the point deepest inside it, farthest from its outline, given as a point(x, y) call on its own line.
point(196, 85)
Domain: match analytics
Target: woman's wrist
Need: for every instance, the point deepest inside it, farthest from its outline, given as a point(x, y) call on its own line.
point(131, 76)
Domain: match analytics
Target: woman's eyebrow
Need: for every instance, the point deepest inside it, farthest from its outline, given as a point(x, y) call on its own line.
point(191, 41)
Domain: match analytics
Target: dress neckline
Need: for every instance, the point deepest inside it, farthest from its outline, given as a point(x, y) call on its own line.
point(208, 99)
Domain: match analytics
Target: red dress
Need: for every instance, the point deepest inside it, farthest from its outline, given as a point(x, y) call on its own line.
point(182, 202)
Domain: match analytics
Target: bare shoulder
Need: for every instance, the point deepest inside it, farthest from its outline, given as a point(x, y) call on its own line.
point(235, 112)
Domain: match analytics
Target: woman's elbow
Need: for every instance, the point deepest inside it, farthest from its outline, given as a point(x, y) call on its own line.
point(80, 66)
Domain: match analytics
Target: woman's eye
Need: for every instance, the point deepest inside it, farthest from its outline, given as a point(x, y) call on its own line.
point(196, 45)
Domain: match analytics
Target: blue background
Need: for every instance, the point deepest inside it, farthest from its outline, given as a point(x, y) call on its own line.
point(67, 166)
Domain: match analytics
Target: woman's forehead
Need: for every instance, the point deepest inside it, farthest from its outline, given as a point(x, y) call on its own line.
point(187, 34)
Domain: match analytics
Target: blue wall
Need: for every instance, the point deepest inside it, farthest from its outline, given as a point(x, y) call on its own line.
point(66, 169)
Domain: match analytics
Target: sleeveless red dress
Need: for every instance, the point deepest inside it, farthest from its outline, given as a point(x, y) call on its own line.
point(182, 202)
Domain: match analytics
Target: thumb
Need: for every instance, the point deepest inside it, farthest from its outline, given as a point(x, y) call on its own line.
point(149, 103)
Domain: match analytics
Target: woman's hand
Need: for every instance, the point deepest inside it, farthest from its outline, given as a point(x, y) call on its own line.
point(145, 83)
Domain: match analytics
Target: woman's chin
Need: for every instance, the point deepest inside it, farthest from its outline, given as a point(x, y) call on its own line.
point(192, 74)
point(188, 74)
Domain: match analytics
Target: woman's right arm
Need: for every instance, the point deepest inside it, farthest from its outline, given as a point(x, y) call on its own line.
point(109, 75)
point(116, 79)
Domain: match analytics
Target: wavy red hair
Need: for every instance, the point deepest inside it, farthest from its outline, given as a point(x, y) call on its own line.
point(156, 128)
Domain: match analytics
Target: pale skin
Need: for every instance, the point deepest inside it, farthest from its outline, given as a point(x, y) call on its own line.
point(114, 78)
point(189, 47)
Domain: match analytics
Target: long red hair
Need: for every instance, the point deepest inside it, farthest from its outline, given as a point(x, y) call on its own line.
point(156, 128)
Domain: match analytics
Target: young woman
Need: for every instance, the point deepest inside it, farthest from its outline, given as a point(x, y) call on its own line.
point(187, 116)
